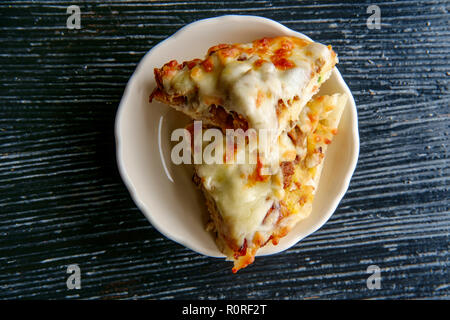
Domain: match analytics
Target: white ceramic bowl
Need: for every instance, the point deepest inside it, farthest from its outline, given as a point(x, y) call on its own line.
point(164, 191)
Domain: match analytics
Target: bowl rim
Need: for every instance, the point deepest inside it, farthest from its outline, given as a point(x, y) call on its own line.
point(119, 141)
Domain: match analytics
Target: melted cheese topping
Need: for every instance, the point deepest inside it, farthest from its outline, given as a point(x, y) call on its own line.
point(242, 207)
point(251, 78)
point(242, 196)
point(244, 202)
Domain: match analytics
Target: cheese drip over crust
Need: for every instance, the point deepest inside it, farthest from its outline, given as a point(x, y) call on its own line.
point(242, 193)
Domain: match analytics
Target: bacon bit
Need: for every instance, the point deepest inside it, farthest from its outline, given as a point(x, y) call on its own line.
point(284, 231)
point(287, 45)
point(258, 174)
point(207, 65)
point(229, 241)
point(209, 100)
point(245, 261)
point(282, 52)
point(238, 121)
point(298, 184)
point(333, 54)
point(302, 200)
point(327, 141)
point(190, 129)
point(285, 50)
point(297, 136)
point(167, 72)
point(283, 212)
point(261, 46)
point(258, 63)
point(279, 59)
point(172, 63)
point(300, 42)
point(280, 107)
point(259, 98)
point(197, 180)
point(319, 63)
point(258, 239)
point(282, 63)
point(229, 52)
point(195, 72)
point(275, 240)
point(312, 117)
point(154, 94)
point(287, 168)
point(296, 98)
point(228, 156)
point(242, 250)
point(262, 43)
point(280, 234)
point(228, 120)
point(242, 58)
point(290, 155)
point(248, 50)
point(191, 64)
point(334, 131)
point(170, 67)
point(270, 238)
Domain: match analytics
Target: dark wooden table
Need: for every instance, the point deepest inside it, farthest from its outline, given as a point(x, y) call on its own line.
point(63, 202)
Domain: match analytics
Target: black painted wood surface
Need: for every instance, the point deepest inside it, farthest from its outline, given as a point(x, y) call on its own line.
point(63, 202)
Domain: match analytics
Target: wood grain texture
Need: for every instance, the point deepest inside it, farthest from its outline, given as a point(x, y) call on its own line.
point(62, 200)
